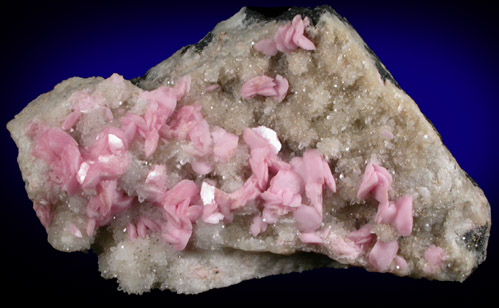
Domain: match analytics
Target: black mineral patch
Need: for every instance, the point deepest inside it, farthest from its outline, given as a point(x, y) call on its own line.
point(384, 73)
point(266, 14)
point(256, 14)
point(475, 240)
point(471, 179)
point(204, 42)
point(432, 125)
point(135, 81)
point(184, 49)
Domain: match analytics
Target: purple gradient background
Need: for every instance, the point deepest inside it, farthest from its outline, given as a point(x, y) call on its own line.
point(442, 55)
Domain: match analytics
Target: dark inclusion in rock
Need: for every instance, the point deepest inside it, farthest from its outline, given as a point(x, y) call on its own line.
point(467, 175)
point(288, 13)
point(384, 73)
point(476, 240)
point(204, 42)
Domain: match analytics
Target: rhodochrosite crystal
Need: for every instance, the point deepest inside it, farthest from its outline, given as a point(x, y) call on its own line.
point(271, 137)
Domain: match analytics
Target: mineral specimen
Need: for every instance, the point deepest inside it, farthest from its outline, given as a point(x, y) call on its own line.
point(275, 144)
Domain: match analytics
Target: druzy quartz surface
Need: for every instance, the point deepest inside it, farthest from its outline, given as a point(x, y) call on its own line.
point(270, 137)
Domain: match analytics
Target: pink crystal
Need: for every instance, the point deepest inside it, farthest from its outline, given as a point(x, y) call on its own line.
point(382, 254)
point(362, 237)
point(434, 257)
point(61, 153)
point(287, 38)
point(376, 180)
point(224, 145)
point(266, 86)
point(267, 46)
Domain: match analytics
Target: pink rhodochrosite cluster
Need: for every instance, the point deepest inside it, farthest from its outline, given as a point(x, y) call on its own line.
point(287, 38)
point(272, 146)
point(266, 86)
point(377, 182)
point(280, 188)
point(94, 170)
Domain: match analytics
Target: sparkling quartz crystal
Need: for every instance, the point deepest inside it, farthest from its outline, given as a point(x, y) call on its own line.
point(274, 145)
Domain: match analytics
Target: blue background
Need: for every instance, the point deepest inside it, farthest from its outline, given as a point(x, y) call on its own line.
point(442, 54)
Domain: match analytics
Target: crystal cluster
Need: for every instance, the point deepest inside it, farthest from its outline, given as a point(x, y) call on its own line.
point(269, 138)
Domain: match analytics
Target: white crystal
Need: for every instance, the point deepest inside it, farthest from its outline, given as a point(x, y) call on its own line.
point(270, 135)
point(207, 193)
point(82, 172)
point(115, 143)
